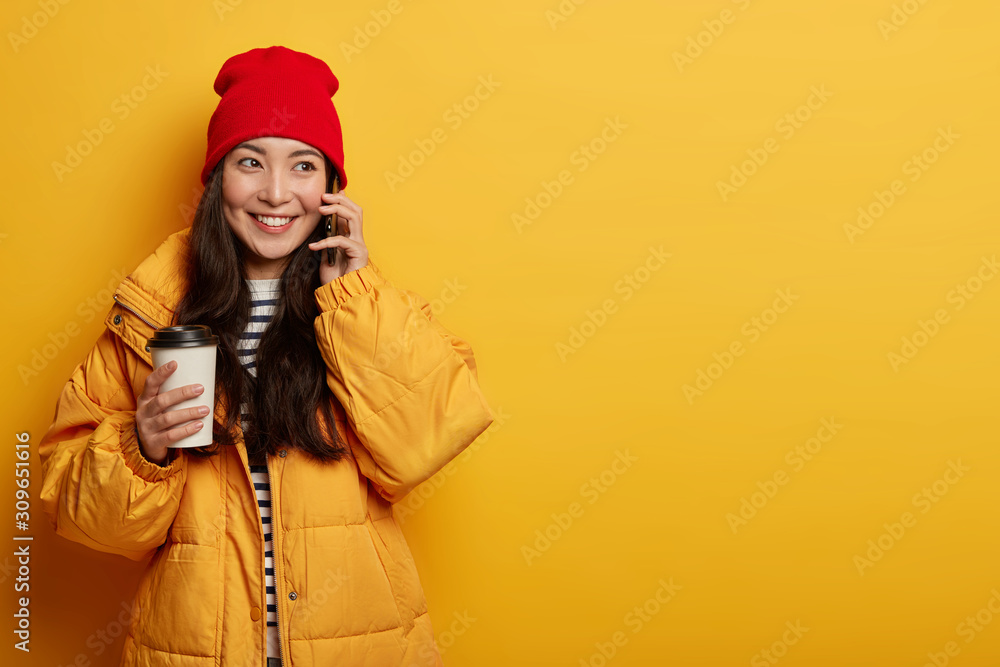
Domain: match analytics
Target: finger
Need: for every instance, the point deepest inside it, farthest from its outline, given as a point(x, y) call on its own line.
point(163, 401)
point(354, 206)
point(341, 198)
point(175, 434)
point(349, 226)
point(332, 242)
point(337, 218)
point(156, 379)
point(171, 418)
point(342, 208)
point(348, 246)
point(338, 199)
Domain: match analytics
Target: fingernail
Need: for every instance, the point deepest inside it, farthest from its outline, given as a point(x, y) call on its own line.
point(203, 410)
point(198, 388)
point(197, 425)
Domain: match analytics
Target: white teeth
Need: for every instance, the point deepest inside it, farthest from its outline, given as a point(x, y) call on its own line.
point(272, 222)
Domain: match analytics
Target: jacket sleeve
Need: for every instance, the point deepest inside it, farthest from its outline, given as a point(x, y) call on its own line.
point(409, 387)
point(97, 487)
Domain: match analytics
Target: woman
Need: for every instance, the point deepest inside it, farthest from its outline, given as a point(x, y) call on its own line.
point(278, 541)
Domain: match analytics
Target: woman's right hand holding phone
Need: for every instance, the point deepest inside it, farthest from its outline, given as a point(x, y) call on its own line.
point(158, 425)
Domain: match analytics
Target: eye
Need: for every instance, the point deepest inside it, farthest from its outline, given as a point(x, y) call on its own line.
point(241, 160)
point(312, 167)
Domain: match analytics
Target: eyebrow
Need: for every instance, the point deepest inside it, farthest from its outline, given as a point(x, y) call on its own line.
point(261, 151)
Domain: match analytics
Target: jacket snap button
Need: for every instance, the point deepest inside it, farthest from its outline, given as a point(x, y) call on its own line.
point(255, 614)
point(282, 453)
point(118, 319)
point(292, 595)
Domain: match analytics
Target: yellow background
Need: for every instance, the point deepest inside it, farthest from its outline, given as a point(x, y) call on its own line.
point(517, 291)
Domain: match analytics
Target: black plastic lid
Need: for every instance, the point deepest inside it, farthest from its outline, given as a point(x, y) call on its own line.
point(187, 335)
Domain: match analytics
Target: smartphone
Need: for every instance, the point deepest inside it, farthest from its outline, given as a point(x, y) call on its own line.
point(331, 252)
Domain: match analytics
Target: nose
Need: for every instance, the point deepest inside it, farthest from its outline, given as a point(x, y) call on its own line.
point(274, 190)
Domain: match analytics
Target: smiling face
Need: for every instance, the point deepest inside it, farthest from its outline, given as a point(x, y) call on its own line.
point(271, 193)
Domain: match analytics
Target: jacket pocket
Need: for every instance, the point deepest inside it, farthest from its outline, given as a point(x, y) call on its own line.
point(341, 584)
point(385, 561)
point(199, 519)
point(400, 567)
point(183, 601)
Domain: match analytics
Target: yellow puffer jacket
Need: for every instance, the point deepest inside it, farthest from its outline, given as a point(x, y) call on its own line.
point(347, 589)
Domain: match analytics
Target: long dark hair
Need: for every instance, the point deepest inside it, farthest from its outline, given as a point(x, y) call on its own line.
point(291, 374)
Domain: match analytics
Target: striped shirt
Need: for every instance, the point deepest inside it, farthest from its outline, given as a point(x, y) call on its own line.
point(264, 297)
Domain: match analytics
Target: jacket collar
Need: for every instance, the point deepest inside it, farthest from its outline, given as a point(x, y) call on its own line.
point(151, 293)
point(147, 298)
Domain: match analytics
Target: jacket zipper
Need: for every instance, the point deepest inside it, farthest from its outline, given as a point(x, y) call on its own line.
point(275, 560)
point(274, 533)
point(134, 312)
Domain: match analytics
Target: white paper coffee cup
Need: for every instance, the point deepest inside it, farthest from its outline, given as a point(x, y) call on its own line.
point(193, 348)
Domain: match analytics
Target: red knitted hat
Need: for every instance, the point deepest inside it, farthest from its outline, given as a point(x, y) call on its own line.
point(275, 92)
